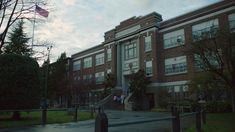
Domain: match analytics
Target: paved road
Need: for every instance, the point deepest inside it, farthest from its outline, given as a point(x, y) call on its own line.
point(114, 118)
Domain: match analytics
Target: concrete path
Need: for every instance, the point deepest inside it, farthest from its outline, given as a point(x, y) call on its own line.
point(114, 118)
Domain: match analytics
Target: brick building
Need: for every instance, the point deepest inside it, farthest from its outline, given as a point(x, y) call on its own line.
point(150, 43)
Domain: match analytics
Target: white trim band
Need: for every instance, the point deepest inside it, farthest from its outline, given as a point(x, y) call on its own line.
point(77, 58)
point(198, 19)
point(169, 83)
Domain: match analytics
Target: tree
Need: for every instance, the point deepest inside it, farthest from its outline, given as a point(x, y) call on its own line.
point(19, 79)
point(138, 86)
point(207, 86)
point(18, 41)
point(110, 82)
point(58, 80)
point(11, 11)
point(215, 51)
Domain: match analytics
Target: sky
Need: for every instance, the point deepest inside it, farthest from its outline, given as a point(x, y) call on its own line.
point(75, 25)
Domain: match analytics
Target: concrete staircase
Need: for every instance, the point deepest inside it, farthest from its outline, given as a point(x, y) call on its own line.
point(109, 103)
point(128, 105)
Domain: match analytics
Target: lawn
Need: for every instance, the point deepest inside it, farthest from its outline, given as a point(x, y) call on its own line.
point(34, 118)
point(219, 122)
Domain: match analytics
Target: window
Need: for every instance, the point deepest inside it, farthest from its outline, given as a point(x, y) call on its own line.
point(148, 43)
point(99, 77)
point(88, 62)
point(76, 77)
point(109, 54)
point(174, 39)
point(76, 65)
point(130, 50)
point(205, 30)
point(211, 57)
point(178, 92)
point(99, 59)
point(87, 77)
point(231, 18)
point(175, 65)
point(148, 68)
point(109, 71)
point(198, 64)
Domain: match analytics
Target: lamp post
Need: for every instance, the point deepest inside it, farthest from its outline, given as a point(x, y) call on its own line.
point(45, 103)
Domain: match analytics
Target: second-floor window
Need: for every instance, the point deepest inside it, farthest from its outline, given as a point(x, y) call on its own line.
point(88, 62)
point(76, 65)
point(130, 50)
point(206, 29)
point(176, 65)
point(99, 59)
point(174, 39)
point(109, 54)
point(148, 43)
point(231, 19)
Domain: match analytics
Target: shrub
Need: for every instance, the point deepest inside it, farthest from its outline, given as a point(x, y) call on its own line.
point(218, 106)
point(19, 79)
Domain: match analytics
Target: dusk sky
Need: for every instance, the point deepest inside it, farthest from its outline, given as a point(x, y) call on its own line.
point(75, 25)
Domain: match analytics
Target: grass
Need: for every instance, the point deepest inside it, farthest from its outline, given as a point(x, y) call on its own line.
point(219, 122)
point(34, 118)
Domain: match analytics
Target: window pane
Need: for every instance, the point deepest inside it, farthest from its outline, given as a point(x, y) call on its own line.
point(205, 30)
point(174, 39)
point(175, 65)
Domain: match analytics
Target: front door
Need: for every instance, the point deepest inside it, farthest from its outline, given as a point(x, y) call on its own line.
point(151, 100)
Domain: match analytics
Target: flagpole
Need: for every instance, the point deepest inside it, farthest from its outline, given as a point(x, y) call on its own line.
point(34, 20)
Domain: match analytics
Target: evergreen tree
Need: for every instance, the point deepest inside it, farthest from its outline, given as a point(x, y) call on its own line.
point(17, 41)
point(57, 79)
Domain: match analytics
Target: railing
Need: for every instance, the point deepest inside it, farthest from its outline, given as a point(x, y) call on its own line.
point(101, 124)
point(103, 101)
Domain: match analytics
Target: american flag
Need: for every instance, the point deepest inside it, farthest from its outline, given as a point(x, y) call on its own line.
point(41, 11)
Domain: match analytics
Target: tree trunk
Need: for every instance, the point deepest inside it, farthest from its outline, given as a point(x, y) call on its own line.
point(16, 115)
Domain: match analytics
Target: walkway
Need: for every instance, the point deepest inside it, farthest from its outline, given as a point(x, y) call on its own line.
point(114, 117)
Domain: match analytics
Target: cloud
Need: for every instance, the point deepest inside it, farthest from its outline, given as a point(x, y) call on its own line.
point(69, 2)
point(75, 25)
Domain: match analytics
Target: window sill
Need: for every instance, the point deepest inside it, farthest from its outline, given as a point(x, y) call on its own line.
point(99, 64)
point(176, 46)
point(148, 50)
point(169, 74)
